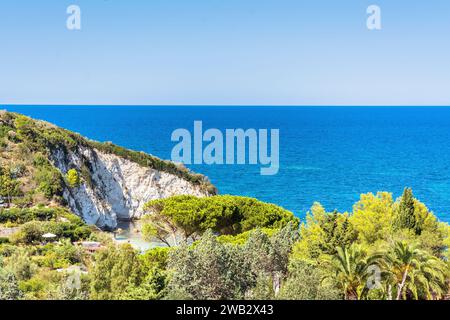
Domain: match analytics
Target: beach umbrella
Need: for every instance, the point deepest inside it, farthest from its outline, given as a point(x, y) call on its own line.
point(49, 236)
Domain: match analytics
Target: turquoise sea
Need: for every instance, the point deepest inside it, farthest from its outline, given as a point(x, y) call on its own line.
point(327, 154)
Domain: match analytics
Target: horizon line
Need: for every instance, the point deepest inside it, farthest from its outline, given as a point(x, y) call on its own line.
point(226, 105)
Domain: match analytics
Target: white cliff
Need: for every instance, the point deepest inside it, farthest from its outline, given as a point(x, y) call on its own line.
point(116, 188)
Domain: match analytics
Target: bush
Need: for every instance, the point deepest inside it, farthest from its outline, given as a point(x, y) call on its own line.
point(73, 179)
point(30, 232)
point(155, 258)
point(33, 285)
point(49, 181)
point(22, 265)
point(38, 221)
point(241, 238)
point(40, 160)
point(7, 250)
point(21, 216)
point(305, 283)
point(9, 186)
point(9, 287)
point(81, 233)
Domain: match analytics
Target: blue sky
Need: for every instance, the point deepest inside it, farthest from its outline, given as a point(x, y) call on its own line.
point(240, 52)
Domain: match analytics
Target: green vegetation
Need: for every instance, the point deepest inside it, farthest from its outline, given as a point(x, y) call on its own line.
point(414, 273)
point(250, 249)
point(9, 186)
point(9, 288)
point(73, 179)
point(39, 237)
point(406, 218)
point(32, 223)
point(21, 216)
point(33, 138)
point(29, 263)
point(188, 217)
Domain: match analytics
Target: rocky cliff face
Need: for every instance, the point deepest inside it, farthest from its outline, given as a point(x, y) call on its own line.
point(116, 188)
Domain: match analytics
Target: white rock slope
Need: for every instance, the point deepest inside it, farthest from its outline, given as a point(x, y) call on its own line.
point(118, 188)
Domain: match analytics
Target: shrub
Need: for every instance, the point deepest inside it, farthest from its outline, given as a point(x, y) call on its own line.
point(9, 186)
point(40, 160)
point(30, 232)
point(22, 216)
point(155, 258)
point(38, 221)
point(73, 179)
point(49, 180)
point(9, 287)
point(33, 285)
point(81, 233)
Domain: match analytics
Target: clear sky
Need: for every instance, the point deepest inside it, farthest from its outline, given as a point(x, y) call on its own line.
point(241, 52)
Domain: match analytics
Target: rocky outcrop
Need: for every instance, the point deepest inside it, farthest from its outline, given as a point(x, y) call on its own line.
point(114, 188)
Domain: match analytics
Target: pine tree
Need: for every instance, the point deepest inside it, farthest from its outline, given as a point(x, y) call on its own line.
point(406, 218)
point(73, 179)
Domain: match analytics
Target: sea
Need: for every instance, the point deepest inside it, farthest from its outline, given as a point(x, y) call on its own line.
point(330, 155)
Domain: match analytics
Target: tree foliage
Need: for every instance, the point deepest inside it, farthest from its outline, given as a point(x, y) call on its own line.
point(115, 269)
point(9, 186)
point(73, 179)
point(262, 254)
point(406, 218)
point(188, 217)
point(9, 286)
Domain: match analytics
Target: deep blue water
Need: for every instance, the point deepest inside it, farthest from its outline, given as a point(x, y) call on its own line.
point(327, 154)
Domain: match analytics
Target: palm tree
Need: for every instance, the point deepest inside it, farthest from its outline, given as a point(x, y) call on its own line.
point(414, 273)
point(349, 267)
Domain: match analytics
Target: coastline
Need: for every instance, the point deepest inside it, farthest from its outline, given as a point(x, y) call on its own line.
point(352, 150)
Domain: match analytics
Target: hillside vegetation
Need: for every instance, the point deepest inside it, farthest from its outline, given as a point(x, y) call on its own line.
point(28, 174)
point(383, 249)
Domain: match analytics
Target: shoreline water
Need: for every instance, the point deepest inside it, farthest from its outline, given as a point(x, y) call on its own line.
point(130, 233)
